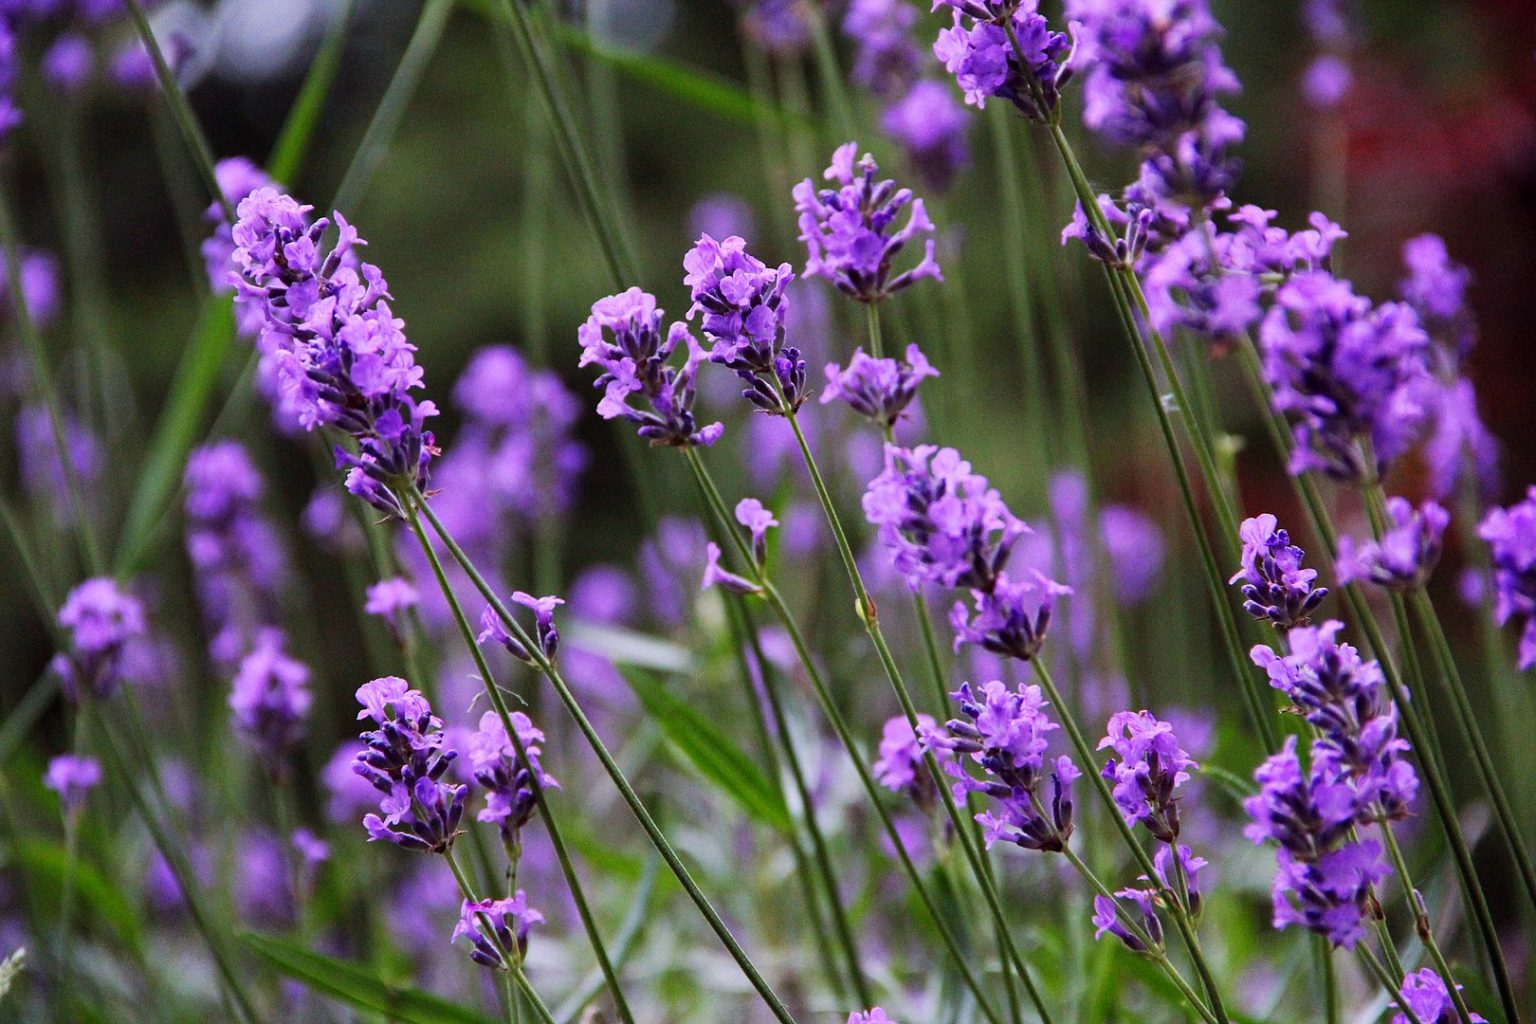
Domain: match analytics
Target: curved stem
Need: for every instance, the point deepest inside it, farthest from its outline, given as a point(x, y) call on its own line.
point(557, 841)
point(610, 766)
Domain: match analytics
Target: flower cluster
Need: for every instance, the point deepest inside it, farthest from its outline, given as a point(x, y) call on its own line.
point(744, 306)
point(342, 357)
point(874, 1016)
point(930, 125)
point(899, 766)
point(391, 600)
point(851, 233)
point(1150, 768)
point(270, 700)
point(1155, 78)
point(1406, 553)
point(1276, 589)
point(1006, 732)
point(1425, 995)
point(1184, 877)
point(497, 929)
point(1511, 536)
point(72, 777)
point(635, 362)
point(1344, 370)
point(237, 554)
point(405, 758)
point(509, 781)
point(100, 620)
point(887, 57)
point(492, 628)
point(879, 389)
point(979, 50)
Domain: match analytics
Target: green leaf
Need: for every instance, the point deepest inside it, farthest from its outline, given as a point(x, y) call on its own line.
point(177, 431)
point(98, 897)
point(357, 986)
point(714, 755)
point(693, 85)
point(299, 129)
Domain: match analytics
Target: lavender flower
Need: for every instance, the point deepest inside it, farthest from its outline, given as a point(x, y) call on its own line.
point(99, 620)
point(715, 575)
point(873, 1016)
point(1010, 616)
point(930, 125)
point(238, 556)
point(1343, 370)
point(1276, 589)
point(68, 64)
point(1005, 732)
point(497, 929)
point(238, 177)
point(758, 521)
point(879, 389)
point(405, 759)
point(635, 363)
point(1182, 882)
point(342, 357)
point(391, 600)
point(270, 700)
point(940, 522)
point(850, 232)
point(492, 628)
point(986, 64)
point(39, 270)
point(899, 766)
point(1406, 553)
point(43, 473)
point(1106, 919)
point(1436, 288)
point(72, 777)
point(886, 57)
point(1150, 768)
point(1425, 995)
point(780, 27)
point(509, 781)
point(744, 306)
point(1511, 536)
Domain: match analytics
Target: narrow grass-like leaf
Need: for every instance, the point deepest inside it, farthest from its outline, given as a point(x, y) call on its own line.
point(1233, 784)
point(357, 986)
point(177, 430)
point(716, 757)
point(49, 863)
point(627, 647)
point(299, 129)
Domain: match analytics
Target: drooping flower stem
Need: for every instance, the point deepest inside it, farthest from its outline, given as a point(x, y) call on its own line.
point(229, 978)
point(845, 735)
point(868, 615)
point(514, 974)
point(556, 840)
point(1178, 908)
point(1421, 919)
point(610, 766)
point(744, 638)
point(44, 384)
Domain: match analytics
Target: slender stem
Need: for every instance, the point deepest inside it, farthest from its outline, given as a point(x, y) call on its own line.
point(833, 84)
point(191, 133)
point(610, 766)
point(1450, 677)
point(26, 326)
point(872, 319)
point(1384, 976)
point(840, 726)
point(1421, 920)
point(1327, 977)
point(865, 608)
point(535, 785)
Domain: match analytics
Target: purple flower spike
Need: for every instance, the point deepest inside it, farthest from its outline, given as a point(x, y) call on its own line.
point(716, 575)
point(1006, 732)
point(985, 64)
point(1009, 619)
point(72, 777)
point(851, 235)
point(879, 389)
point(874, 1016)
point(509, 782)
point(497, 929)
point(1511, 536)
point(887, 59)
point(405, 758)
point(1150, 768)
point(391, 600)
point(342, 357)
point(1406, 553)
point(1425, 995)
point(635, 362)
point(1436, 287)
point(493, 628)
point(270, 700)
point(899, 766)
point(758, 521)
point(100, 620)
point(1106, 920)
point(930, 125)
point(1276, 589)
point(1344, 370)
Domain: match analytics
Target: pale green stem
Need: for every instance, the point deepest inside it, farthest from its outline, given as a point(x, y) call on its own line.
point(547, 668)
point(1382, 975)
point(557, 841)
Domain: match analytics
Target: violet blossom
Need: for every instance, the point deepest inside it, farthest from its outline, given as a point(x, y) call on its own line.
point(1150, 767)
point(405, 759)
point(878, 389)
point(72, 776)
point(1511, 537)
point(99, 620)
point(270, 700)
point(1276, 588)
point(978, 51)
point(492, 628)
point(509, 781)
point(1405, 554)
point(1426, 995)
point(497, 929)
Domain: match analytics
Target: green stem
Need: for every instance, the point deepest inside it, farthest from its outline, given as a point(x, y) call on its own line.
point(186, 121)
point(573, 883)
point(1375, 967)
point(840, 726)
point(610, 766)
point(303, 118)
point(26, 326)
point(1421, 920)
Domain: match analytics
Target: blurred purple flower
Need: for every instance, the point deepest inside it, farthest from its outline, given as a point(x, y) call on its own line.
point(1405, 555)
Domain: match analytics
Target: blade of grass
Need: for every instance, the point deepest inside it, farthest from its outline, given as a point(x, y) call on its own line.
point(298, 132)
